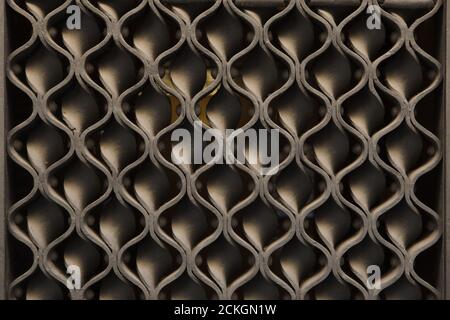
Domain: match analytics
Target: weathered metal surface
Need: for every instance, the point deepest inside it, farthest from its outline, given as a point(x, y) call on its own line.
point(91, 182)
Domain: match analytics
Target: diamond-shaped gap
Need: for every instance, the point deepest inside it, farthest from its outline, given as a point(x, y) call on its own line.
point(151, 260)
point(31, 66)
point(186, 288)
point(153, 185)
point(295, 110)
point(151, 32)
point(297, 262)
point(224, 33)
point(76, 41)
point(224, 186)
point(77, 106)
point(296, 34)
point(114, 68)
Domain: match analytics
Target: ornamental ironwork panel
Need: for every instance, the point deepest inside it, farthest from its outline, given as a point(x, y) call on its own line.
point(97, 207)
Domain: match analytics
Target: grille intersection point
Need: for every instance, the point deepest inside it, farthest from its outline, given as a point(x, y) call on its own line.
point(91, 182)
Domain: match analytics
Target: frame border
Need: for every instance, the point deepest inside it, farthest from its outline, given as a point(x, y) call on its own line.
point(3, 155)
point(446, 135)
point(3, 150)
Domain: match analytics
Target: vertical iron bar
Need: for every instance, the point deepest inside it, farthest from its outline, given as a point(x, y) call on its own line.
point(446, 286)
point(3, 153)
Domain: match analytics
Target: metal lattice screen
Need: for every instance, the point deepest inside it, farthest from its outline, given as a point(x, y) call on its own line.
point(91, 182)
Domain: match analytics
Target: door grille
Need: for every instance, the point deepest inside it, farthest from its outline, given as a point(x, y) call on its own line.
point(90, 181)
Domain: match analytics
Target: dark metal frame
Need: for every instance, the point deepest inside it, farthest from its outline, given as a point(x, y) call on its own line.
point(3, 153)
point(446, 135)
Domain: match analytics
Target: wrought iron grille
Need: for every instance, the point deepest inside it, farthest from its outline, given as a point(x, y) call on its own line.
point(90, 182)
